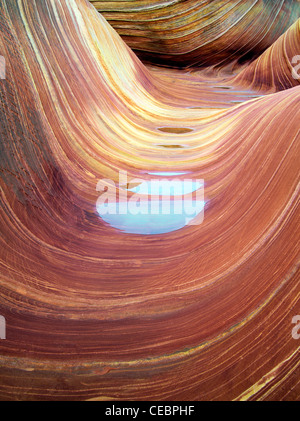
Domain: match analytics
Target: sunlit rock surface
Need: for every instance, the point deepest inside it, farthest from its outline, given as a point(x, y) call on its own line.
point(203, 312)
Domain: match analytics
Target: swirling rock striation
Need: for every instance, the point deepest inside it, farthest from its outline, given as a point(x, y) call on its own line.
point(200, 313)
point(183, 33)
point(276, 68)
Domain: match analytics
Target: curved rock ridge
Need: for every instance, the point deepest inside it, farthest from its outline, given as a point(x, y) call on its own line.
point(95, 313)
point(182, 33)
point(278, 67)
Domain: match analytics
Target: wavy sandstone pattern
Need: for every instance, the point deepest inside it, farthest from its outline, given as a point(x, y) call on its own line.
point(201, 313)
point(275, 66)
point(189, 32)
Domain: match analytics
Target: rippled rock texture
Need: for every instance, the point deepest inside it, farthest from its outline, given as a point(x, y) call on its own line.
point(189, 32)
point(199, 313)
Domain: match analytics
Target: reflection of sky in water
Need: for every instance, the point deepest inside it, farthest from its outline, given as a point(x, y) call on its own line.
point(167, 174)
point(154, 216)
point(169, 211)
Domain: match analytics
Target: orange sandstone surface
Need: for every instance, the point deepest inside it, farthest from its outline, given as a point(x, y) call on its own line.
point(95, 313)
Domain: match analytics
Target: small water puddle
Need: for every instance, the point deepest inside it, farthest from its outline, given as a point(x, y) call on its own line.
point(177, 130)
point(160, 205)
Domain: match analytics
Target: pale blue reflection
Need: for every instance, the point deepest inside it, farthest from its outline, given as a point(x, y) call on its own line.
point(166, 173)
point(153, 216)
point(155, 206)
